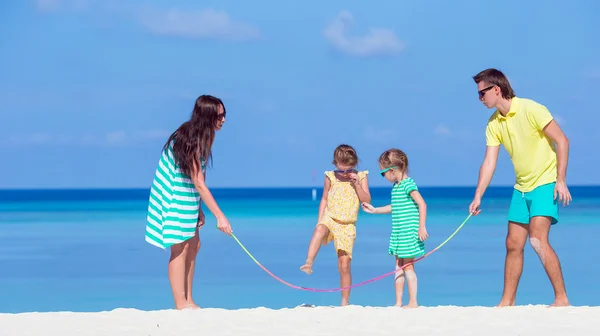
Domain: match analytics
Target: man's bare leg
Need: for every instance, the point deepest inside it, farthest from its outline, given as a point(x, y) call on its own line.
point(513, 266)
point(539, 232)
point(321, 231)
point(345, 276)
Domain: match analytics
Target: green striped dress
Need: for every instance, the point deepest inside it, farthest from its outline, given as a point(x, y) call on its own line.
point(173, 205)
point(404, 239)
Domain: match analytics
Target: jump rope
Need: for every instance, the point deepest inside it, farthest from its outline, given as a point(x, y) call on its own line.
point(351, 286)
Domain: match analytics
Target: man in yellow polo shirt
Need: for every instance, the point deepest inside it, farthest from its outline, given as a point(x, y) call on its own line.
point(539, 152)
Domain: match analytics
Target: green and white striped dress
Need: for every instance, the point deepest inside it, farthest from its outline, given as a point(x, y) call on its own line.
point(173, 205)
point(404, 239)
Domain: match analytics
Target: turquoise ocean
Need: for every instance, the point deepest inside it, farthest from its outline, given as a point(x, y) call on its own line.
point(84, 250)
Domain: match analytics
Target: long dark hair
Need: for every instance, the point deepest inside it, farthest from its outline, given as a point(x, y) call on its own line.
point(194, 138)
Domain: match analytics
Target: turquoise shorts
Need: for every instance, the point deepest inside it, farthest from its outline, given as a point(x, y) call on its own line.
point(538, 202)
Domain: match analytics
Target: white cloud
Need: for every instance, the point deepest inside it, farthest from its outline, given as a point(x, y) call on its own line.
point(55, 5)
point(114, 138)
point(378, 41)
point(382, 135)
point(47, 5)
point(196, 24)
point(442, 130)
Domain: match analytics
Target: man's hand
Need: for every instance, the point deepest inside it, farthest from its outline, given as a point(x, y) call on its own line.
point(474, 207)
point(561, 190)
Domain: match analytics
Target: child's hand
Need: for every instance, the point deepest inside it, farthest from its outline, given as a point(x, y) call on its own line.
point(423, 234)
point(354, 179)
point(368, 208)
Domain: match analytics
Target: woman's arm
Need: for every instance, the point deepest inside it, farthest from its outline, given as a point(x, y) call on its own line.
point(208, 199)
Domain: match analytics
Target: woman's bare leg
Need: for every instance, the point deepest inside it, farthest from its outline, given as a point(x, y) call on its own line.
point(194, 247)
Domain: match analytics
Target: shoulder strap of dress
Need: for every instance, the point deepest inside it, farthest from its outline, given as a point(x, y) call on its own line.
point(331, 175)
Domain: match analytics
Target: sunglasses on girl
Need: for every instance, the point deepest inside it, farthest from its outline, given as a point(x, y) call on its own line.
point(347, 171)
point(386, 170)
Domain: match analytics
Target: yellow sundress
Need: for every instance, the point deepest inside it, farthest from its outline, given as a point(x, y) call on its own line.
point(341, 213)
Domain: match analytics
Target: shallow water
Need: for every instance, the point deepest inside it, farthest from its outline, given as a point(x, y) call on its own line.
point(85, 251)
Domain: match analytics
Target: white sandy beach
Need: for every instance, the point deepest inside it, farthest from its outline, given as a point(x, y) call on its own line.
point(347, 321)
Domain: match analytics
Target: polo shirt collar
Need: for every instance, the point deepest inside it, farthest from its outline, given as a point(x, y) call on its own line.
point(514, 107)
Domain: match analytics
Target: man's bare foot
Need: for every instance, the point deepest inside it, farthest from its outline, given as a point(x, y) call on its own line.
point(411, 305)
point(506, 303)
point(306, 268)
point(560, 303)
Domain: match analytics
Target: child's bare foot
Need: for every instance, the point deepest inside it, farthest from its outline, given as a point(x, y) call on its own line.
point(411, 305)
point(306, 268)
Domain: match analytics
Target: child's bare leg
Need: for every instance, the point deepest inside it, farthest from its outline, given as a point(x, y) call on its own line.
point(321, 231)
point(345, 276)
point(177, 273)
point(399, 282)
point(194, 247)
point(411, 280)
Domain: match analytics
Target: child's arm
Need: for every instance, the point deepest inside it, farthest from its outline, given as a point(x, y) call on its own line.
point(323, 204)
point(368, 208)
point(362, 189)
point(416, 196)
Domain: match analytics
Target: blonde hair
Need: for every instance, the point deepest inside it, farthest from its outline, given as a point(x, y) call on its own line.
point(345, 155)
point(394, 157)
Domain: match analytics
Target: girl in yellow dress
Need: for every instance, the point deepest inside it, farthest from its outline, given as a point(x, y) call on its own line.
point(344, 190)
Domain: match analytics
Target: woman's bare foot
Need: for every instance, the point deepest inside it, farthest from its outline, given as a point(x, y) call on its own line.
point(344, 303)
point(399, 305)
point(306, 268)
point(192, 305)
point(179, 305)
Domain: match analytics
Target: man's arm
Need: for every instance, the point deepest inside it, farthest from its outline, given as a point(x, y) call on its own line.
point(487, 169)
point(555, 133)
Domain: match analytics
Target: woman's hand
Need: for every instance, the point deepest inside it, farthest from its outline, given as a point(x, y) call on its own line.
point(223, 225)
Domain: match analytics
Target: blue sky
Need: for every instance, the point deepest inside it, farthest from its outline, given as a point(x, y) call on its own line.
point(89, 90)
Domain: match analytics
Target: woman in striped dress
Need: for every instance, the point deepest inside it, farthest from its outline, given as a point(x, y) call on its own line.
point(409, 211)
point(174, 211)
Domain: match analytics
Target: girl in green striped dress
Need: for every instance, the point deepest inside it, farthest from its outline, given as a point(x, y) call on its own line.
point(408, 211)
point(174, 211)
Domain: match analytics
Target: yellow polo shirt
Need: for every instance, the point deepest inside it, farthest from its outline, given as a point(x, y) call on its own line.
point(521, 132)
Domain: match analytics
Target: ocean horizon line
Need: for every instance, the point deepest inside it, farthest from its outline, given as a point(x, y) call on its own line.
point(320, 187)
point(260, 193)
